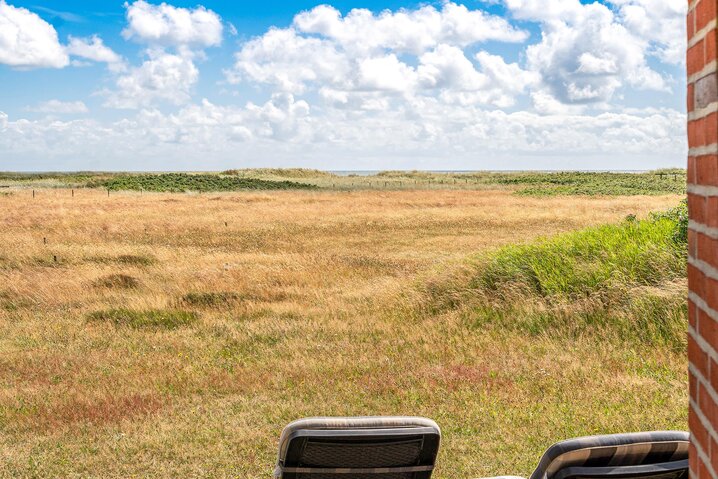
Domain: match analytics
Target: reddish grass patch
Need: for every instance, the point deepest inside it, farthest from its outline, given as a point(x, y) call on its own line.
point(456, 376)
point(97, 412)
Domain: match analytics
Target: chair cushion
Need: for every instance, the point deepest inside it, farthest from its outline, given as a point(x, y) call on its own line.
point(613, 450)
point(358, 446)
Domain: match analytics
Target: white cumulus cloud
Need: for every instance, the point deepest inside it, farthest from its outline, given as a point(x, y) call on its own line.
point(94, 49)
point(660, 22)
point(352, 60)
point(289, 61)
point(407, 31)
point(168, 25)
point(164, 77)
point(586, 54)
point(28, 41)
point(174, 38)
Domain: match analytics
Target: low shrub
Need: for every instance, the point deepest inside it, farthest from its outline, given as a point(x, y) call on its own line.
point(181, 182)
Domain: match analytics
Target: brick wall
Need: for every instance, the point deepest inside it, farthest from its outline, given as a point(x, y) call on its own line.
point(703, 237)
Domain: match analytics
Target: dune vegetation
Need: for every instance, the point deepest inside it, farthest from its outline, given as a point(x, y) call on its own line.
point(659, 182)
point(174, 335)
point(181, 182)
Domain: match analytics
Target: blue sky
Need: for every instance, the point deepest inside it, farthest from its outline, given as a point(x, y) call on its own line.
point(501, 84)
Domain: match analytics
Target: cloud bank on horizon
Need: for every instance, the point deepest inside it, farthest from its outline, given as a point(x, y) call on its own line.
point(499, 84)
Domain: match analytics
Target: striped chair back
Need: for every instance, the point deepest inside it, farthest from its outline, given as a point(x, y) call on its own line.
point(649, 455)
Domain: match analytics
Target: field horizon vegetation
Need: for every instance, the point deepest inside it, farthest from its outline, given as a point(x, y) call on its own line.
point(658, 182)
point(171, 334)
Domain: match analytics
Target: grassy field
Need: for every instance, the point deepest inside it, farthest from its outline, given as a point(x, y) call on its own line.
point(174, 335)
point(660, 182)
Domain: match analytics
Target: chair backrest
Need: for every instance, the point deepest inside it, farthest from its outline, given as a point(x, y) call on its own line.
point(642, 455)
point(358, 448)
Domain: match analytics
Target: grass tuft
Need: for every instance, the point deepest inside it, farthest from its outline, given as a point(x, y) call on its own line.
point(147, 319)
point(125, 259)
point(117, 281)
point(211, 299)
point(12, 302)
point(135, 260)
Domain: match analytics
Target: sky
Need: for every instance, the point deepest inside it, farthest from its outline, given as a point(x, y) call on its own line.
point(345, 85)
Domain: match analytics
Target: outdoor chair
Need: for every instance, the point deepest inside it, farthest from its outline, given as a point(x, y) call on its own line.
point(641, 455)
point(358, 448)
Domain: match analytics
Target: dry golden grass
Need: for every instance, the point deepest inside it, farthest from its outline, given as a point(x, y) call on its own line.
point(296, 296)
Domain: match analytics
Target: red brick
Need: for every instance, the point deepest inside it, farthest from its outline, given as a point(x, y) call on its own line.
point(710, 287)
point(708, 329)
point(697, 207)
point(713, 378)
point(704, 286)
point(707, 406)
point(691, 24)
point(698, 433)
point(700, 134)
point(707, 249)
point(697, 357)
point(706, 170)
point(690, 98)
point(711, 212)
point(703, 471)
point(692, 457)
point(713, 453)
point(703, 131)
point(710, 44)
point(693, 386)
point(695, 280)
point(710, 129)
point(695, 57)
point(705, 12)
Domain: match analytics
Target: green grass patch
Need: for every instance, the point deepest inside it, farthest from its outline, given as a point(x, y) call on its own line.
point(636, 253)
point(625, 281)
point(125, 259)
point(135, 260)
point(587, 183)
point(70, 177)
point(532, 183)
point(180, 182)
point(145, 319)
point(210, 299)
